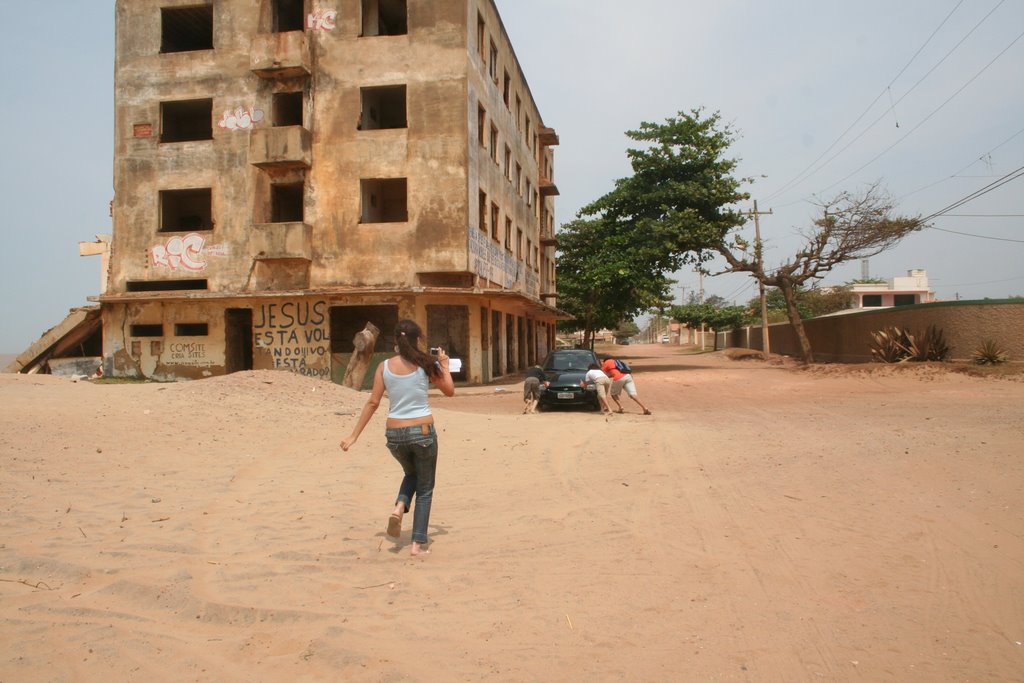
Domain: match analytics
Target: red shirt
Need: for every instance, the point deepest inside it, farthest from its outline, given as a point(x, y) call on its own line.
point(610, 370)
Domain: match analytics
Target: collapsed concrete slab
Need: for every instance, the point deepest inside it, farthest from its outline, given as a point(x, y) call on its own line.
point(78, 336)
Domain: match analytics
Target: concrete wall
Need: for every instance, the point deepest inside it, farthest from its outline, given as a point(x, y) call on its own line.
point(847, 338)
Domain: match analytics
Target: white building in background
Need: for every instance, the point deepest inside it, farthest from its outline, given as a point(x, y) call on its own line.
point(899, 291)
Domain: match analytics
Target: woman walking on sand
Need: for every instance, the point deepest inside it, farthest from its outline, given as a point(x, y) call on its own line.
point(409, 429)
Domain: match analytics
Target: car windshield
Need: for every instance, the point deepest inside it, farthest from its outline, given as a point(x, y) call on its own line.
point(569, 360)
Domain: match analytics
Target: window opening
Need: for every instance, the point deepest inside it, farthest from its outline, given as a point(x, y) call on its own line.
point(493, 66)
point(186, 120)
point(506, 89)
point(508, 163)
point(385, 18)
point(481, 122)
point(481, 34)
point(383, 107)
point(147, 330)
point(384, 200)
point(508, 234)
point(871, 300)
point(191, 330)
point(286, 203)
point(494, 221)
point(904, 299)
point(164, 285)
point(287, 107)
point(482, 208)
point(519, 244)
point(289, 15)
point(184, 210)
point(494, 143)
point(186, 29)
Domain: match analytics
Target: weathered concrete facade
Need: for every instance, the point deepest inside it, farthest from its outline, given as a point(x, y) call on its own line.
point(288, 170)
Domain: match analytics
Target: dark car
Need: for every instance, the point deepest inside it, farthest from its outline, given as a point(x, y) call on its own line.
point(566, 371)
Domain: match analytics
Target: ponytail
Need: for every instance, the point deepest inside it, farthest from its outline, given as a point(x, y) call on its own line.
point(407, 336)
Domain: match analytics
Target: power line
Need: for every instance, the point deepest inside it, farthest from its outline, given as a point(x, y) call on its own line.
point(1012, 175)
point(801, 175)
point(984, 237)
point(926, 119)
point(988, 153)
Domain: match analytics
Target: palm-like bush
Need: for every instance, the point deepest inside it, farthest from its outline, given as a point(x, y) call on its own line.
point(897, 345)
point(989, 353)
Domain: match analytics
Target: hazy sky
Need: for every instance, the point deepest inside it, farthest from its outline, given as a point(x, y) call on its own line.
point(792, 76)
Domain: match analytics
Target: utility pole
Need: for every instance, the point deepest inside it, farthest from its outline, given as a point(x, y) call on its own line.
point(759, 255)
point(701, 274)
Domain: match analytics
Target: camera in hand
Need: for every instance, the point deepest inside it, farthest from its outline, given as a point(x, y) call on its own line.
point(435, 350)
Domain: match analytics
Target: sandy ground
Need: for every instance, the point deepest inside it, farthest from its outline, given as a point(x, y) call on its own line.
point(765, 524)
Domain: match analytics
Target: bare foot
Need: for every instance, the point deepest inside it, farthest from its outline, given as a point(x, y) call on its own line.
point(418, 549)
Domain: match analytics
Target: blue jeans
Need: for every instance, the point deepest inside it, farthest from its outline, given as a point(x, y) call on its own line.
point(416, 452)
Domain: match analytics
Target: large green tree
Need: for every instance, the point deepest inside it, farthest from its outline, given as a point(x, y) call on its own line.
point(681, 206)
point(601, 280)
point(613, 258)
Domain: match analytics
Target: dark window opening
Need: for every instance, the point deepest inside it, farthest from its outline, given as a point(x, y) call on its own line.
point(286, 203)
point(463, 280)
point(191, 330)
point(165, 285)
point(184, 210)
point(506, 89)
point(185, 29)
point(384, 200)
point(482, 208)
point(385, 18)
point(186, 120)
point(871, 300)
point(904, 299)
point(287, 109)
point(383, 107)
point(147, 330)
point(289, 15)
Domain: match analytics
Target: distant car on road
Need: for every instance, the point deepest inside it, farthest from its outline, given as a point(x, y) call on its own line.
point(566, 370)
point(664, 339)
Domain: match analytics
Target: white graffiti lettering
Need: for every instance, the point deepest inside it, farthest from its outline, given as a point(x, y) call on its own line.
point(322, 20)
point(240, 119)
point(180, 252)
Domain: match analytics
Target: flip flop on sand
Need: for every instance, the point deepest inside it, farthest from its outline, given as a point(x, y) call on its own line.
point(394, 526)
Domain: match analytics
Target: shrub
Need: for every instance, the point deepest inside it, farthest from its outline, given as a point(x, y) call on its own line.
point(895, 345)
point(989, 353)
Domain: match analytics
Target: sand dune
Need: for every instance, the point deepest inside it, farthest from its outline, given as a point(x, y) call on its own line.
point(765, 524)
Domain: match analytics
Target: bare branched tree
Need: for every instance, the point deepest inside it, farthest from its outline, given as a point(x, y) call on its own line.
point(851, 227)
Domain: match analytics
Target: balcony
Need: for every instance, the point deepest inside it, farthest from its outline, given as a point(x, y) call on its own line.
point(548, 240)
point(280, 55)
point(275, 241)
point(547, 187)
point(281, 147)
point(548, 137)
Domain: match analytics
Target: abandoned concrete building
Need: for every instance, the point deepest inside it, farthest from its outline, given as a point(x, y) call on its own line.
point(286, 171)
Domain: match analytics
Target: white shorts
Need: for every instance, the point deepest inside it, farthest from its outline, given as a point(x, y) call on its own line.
point(627, 383)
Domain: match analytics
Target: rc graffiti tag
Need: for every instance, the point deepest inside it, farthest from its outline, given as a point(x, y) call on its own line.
point(187, 252)
point(322, 20)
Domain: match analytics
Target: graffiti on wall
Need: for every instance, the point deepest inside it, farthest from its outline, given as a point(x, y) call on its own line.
point(322, 20)
point(295, 335)
point(192, 354)
point(489, 260)
point(240, 119)
point(188, 252)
